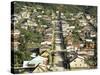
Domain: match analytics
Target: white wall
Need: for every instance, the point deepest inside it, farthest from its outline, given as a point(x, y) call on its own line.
point(78, 63)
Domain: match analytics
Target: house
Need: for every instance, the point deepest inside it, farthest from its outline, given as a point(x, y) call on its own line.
point(33, 55)
point(86, 52)
point(15, 45)
point(25, 14)
point(89, 40)
point(41, 68)
point(35, 51)
point(45, 54)
point(38, 60)
point(14, 19)
point(35, 10)
point(46, 43)
point(14, 39)
point(24, 25)
point(79, 63)
point(15, 33)
point(39, 16)
point(25, 64)
point(72, 27)
point(69, 42)
point(93, 34)
point(44, 26)
point(70, 48)
point(35, 62)
point(44, 48)
point(88, 16)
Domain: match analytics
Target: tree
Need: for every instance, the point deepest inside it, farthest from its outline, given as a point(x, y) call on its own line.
point(91, 61)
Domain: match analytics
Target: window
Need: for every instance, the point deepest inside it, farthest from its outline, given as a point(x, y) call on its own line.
point(75, 65)
point(81, 60)
point(74, 60)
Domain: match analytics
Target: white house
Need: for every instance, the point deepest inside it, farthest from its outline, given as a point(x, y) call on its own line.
point(33, 55)
point(25, 64)
point(15, 45)
point(35, 61)
point(38, 60)
point(89, 40)
point(16, 33)
point(78, 63)
point(46, 43)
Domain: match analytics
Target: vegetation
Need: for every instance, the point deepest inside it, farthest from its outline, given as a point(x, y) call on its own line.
point(91, 61)
point(32, 37)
